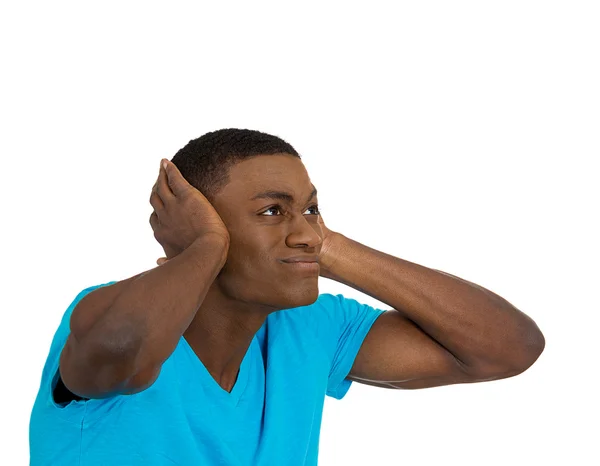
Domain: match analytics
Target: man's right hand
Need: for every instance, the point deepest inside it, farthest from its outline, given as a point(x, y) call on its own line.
point(181, 212)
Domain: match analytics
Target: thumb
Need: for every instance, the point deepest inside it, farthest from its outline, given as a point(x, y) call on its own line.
point(162, 260)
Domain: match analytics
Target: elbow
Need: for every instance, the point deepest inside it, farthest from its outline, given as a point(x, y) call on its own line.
point(532, 349)
point(534, 345)
point(526, 348)
point(94, 371)
point(514, 359)
point(535, 350)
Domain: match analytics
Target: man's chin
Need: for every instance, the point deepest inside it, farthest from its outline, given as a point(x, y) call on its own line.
point(304, 297)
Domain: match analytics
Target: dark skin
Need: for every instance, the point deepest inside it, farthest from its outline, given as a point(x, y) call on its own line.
point(254, 283)
point(442, 329)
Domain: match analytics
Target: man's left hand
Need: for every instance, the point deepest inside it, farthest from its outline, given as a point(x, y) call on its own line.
point(330, 249)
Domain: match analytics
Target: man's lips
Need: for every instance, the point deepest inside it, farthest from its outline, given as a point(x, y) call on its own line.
point(305, 259)
point(303, 263)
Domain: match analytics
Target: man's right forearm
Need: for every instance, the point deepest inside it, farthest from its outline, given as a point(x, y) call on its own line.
point(148, 317)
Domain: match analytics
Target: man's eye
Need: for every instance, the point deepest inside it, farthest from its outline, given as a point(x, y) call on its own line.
point(269, 209)
point(316, 208)
point(278, 208)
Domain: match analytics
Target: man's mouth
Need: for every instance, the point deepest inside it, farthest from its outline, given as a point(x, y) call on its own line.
point(302, 263)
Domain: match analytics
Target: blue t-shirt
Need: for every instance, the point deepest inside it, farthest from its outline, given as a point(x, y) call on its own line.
point(271, 417)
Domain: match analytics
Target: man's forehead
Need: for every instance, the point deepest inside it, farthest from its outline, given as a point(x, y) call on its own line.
point(283, 194)
point(271, 177)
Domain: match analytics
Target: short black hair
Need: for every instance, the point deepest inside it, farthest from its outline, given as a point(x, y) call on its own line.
point(205, 162)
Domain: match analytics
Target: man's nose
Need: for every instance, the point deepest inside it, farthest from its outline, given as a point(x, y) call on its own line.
point(305, 232)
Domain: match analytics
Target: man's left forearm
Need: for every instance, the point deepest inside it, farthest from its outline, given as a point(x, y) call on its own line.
point(477, 326)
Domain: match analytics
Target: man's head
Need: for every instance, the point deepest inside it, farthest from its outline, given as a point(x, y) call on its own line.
point(261, 189)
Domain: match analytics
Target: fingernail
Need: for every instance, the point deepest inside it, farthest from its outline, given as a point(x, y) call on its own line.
point(164, 163)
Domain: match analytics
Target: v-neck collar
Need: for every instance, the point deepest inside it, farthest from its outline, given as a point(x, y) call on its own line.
point(242, 378)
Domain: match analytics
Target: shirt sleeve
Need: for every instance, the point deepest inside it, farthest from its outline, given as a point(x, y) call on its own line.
point(342, 328)
point(50, 373)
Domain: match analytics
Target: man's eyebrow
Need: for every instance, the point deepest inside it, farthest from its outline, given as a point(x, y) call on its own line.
point(281, 196)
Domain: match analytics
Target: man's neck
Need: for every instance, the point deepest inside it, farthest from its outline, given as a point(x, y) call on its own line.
point(221, 333)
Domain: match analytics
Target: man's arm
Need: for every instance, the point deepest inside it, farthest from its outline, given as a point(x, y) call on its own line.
point(121, 334)
point(442, 330)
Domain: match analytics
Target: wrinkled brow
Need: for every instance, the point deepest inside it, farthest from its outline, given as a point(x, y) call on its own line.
point(281, 196)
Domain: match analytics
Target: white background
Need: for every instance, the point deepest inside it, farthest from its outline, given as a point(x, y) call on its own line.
point(463, 136)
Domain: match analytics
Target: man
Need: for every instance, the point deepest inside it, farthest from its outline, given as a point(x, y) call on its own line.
point(224, 353)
